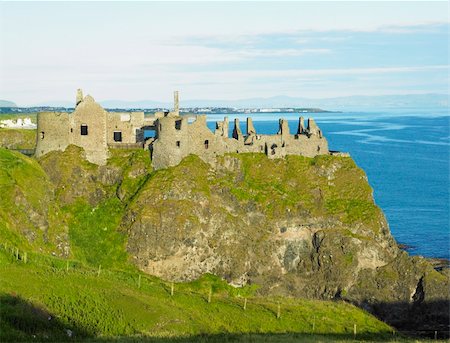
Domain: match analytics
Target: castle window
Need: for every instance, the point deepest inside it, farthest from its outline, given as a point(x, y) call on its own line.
point(117, 136)
point(71, 130)
point(84, 130)
point(178, 144)
point(206, 144)
point(178, 124)
point(273, 147)
point(42, 134)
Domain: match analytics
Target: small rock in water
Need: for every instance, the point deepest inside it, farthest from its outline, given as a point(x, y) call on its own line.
point(405, 247)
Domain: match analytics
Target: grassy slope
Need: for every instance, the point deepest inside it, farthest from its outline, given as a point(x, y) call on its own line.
point(112, 305)
point(17, 138)
point(293, 182)
point(25, 201)
point(286, 184)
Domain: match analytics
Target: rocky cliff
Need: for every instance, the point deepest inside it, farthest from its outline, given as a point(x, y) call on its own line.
point(296, 226)
point(301, 227)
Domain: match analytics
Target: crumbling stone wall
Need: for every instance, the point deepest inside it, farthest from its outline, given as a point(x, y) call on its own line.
point(128, 124)
point(90, 114)
point(91, 127)
point(176, 138)
point(52, 132)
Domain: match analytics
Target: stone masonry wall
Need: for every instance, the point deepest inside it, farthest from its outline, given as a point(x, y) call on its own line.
point(129, 124)
point(91, 127)
point(90, 113)
point(52, 132)
point(176, 138)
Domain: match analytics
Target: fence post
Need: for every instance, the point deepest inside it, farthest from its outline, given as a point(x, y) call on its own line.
point(278, 311)
point(67, 266)
point(171, 288)
point(99, 269)
point(245, 304)
point(139, 281)
point(25, 257)
point(209, 294)
point(314, 323)
point(17, 253)
point(435, 335)
point(354, 330)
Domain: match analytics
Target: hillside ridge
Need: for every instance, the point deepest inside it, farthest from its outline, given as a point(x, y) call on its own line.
point(296, 227)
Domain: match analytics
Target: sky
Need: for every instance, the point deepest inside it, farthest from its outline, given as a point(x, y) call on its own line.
point(221, 50)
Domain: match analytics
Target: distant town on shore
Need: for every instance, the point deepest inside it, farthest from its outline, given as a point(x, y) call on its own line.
point(185, 110)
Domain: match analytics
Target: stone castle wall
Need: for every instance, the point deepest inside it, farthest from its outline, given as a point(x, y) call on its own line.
point(95, 130)
point(177, 138)
point(90, 127)
point(52, 132)
point(90, 114)
point(128, 124)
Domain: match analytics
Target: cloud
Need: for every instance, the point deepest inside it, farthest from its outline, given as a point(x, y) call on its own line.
point(280, 52)
point(296, 73)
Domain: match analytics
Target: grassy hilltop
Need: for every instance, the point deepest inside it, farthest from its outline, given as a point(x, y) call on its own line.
point(76, 240)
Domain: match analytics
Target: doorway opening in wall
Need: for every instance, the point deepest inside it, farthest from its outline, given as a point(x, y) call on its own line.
point(117, 136)
point(84, 130)
point(206, 144)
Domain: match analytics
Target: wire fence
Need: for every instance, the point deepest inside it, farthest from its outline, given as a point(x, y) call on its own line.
point(141, 280)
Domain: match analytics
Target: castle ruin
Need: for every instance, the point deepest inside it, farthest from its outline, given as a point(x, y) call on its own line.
point(176, 136)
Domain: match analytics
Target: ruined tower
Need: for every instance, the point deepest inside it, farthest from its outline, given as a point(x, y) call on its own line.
point(176, 104)
point(79, 97)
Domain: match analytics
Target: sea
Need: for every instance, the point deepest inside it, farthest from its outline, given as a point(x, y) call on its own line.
point(405, 154)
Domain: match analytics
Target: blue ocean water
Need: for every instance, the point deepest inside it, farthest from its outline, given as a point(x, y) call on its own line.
point(405, 154)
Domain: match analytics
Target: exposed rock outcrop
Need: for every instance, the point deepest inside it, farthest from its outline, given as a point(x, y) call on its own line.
point(298, 226)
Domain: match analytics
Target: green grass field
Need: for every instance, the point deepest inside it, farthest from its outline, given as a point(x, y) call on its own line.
point(96, 292)
point(110, 304)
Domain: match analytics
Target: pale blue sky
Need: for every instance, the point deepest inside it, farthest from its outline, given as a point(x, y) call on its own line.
point(217, 50)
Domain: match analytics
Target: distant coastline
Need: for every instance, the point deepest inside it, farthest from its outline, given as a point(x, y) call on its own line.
point(187, 110)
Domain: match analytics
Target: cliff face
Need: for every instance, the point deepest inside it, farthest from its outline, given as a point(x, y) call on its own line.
point(296, 226)
point(28, 213)
point(251, 219)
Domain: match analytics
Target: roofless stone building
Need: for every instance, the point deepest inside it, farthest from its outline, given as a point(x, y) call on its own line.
point(96, 130)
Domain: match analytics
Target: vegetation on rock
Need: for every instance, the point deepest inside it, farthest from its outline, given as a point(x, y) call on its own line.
point(282, 230)
point(17, 138)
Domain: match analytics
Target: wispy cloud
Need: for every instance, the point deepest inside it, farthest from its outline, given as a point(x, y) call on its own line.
point(151, 48)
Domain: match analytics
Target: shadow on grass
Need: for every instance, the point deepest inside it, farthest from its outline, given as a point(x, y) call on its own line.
point(427, 319)
point(22, 321)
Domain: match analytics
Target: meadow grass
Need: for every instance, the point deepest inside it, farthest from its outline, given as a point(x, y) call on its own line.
point(116, 304)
